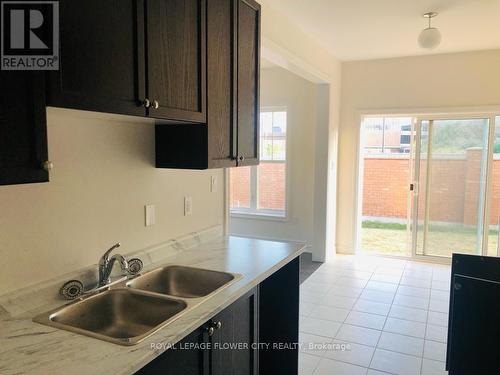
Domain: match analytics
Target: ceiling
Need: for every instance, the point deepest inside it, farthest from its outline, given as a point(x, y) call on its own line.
point(370, 29)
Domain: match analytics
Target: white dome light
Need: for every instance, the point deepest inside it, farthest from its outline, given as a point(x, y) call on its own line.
point(430, 37)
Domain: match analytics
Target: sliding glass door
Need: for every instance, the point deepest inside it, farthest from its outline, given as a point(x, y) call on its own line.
point(430, 185)
point(452, 159)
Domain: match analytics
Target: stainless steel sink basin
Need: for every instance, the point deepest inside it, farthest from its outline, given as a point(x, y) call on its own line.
point(179, 281)
point(127, 312)
point(123, 316)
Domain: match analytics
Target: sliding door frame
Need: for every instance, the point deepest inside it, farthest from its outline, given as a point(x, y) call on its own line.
point(484, 112)
point(416, 161)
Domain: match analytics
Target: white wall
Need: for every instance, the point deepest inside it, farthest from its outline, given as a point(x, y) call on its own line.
point(411, 84)
point(281, 88)
point(286, 45)
point(104, 174)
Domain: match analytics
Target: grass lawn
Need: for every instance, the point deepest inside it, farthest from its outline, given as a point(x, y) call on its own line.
point(392, 238)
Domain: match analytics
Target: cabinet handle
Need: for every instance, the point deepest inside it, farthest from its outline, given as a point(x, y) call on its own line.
point(218, 325)
point(242, 158)
point(156, 104)
point(47, 165)
point(146, 103)
point(210, 331)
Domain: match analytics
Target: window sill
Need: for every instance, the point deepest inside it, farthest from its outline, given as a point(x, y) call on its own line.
point(257, 216)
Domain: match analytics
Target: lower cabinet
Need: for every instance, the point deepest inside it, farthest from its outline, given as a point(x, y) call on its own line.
point(229, 337)
point(473, 325)
point(234, 350)
point(189, 361)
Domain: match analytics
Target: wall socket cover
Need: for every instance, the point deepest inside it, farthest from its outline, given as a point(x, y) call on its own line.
point(188, 206)
point(213, 184)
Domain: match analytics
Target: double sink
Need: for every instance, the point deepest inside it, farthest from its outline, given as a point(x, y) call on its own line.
point(129, 311)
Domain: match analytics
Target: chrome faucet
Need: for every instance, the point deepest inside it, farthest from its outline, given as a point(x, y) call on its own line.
point(74, 288)
point(106, 265)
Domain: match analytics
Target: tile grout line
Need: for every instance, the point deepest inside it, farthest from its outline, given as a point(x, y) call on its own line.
point(344, 322)
point(385, 322)
point(426, 324)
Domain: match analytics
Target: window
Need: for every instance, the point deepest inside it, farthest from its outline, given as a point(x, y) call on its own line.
point(261, 190)
point(387, 135)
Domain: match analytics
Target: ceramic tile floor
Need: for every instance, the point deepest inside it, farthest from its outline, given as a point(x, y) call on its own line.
point(374, 316)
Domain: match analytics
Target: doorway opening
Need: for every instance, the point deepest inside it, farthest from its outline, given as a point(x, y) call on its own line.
point(428, 185)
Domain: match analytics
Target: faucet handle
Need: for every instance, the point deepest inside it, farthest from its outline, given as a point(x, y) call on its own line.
point(105, 256)
point(72, 289)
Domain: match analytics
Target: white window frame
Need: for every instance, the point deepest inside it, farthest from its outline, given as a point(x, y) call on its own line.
point(253, 211)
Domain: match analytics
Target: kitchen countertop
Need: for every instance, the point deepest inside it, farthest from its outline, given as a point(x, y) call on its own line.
point(31, 348)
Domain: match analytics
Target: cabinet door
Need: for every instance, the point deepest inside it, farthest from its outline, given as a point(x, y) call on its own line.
point(221, 83)
point(248, 31)
point(238, 326)
point(474, 328)
point(102, 57)
point(23, 128)
point(279, 320)
point(188, 358)
point(176, 61)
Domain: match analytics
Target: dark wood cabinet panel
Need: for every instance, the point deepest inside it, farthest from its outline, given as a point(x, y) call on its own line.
point(230, 136)
point(474, 329)
point(23, 128)
point(473, 326)
point(248, 81)
point(176, 48)
point(186, 358)
point(233, 352)
point(221, 83)
point(181, 146)
point(279, 297)
point(102, 57)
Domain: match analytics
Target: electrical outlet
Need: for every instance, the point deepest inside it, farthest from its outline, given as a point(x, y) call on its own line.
point(188, 206)
point(149, 213)
point(213, 184)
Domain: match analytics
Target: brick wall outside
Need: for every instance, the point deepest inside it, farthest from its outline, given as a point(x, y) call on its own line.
point(239, 185)
point(385, 187)
point(455, 188)
point(272, 186)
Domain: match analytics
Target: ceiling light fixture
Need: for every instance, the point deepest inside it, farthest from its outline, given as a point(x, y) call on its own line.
point(430, 37)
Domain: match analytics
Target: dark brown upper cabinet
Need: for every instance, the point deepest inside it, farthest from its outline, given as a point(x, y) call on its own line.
point(133, 57)
point(102, 63)
point(248, 53)
point(230, 136)
point(23, 128)
point(176, 55)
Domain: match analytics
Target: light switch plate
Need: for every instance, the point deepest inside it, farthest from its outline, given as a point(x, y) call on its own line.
point(213, 184)
point(150, 214)
point(188, 206)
